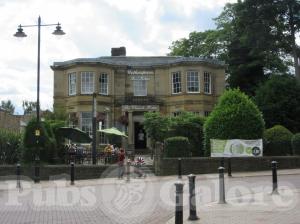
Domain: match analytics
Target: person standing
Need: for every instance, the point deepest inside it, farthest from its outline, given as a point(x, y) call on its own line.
point(121, 159)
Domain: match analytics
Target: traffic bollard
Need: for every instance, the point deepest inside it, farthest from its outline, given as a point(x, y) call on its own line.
point(274, 177)
point(229, 167)
point(179, 203)
point(128, 170)
point(37, 171)
point(221, 186)
point(192, 198)
point(179, 169)
point(18, 176)
point(72, 173)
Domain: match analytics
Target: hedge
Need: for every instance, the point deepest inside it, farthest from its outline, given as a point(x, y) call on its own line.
point(177, 146)
point(277, 141)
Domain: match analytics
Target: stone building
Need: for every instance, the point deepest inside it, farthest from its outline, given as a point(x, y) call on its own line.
point(128, 86)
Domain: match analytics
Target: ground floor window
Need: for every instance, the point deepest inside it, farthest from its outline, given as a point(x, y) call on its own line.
point(86, 122)
point(103, 124)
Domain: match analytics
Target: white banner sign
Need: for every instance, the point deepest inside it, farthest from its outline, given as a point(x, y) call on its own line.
point(236, 148)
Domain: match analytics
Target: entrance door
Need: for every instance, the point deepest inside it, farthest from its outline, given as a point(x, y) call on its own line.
point(140, 140)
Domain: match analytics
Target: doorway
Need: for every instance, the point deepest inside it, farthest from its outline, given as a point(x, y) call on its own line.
point(140, 140)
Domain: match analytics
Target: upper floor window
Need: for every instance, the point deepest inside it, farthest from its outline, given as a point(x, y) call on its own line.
point(103, 81)
point(192, 82)
point(207, 83)
point(176, 82)
point(87, 82)
point(72, 83)
point(140, 87)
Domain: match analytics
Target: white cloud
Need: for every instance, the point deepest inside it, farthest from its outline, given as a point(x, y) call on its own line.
point(144, 27)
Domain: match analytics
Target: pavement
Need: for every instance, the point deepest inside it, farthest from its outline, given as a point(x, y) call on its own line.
point(150, 200)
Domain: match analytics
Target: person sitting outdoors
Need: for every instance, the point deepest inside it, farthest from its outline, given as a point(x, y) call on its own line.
point(107, 153)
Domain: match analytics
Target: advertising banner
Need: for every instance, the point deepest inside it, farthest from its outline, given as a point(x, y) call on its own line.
point(236, 148)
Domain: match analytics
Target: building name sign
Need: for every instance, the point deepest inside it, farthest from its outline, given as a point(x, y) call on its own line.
point(140, 107)
point(138, 78)
point(139, 72)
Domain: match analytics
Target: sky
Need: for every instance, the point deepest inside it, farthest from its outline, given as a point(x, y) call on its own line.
point(92, 27)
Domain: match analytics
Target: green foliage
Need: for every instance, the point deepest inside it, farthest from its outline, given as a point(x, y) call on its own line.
point(256, 38)
point(42, 146)
point(296, 143)
point(208, 44)
point(279, 101)
point(7, 106)
point(234, 117)
point(28, 106)
point(190, 126)
point(277, 141)
point(177, 146)
point(156, 126)
point(10, 144)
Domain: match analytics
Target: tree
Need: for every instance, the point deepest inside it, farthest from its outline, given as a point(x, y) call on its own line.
point(234, 117)
point(7, 106)
point(279, 100)
point(207, 44)
point(156, 125)
point(256, 38)
point(289, 18)
point(29, 106)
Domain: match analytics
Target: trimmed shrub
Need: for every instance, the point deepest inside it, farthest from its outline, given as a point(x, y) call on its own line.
point(296, 143)
point(277, 141)
point(178, 146)
point(42, 146)
point(190, 126)
point(234, 117)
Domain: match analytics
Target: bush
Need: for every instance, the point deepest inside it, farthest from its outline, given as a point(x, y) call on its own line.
point(190, 126)
point(234, 117)
point(296, 143)
point(178, 146)
point(9, 146)
point(277, 141)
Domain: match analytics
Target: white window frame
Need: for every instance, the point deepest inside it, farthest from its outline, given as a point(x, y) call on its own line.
point(72, 83)
point(207, 82)
point(86, 122)
point(176, 83)
point(192, 83)
point(87, 82)
point(103, 84)
point(140, 87)
point(103, 140)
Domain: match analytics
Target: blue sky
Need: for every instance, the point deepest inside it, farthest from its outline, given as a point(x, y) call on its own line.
point(93, 27)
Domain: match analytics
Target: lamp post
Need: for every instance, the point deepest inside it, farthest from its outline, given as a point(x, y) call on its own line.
point(94, 109)
point(20, 33)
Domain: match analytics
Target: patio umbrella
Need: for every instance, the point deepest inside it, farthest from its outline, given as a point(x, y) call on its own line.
point(74, 134)
point(113, 131)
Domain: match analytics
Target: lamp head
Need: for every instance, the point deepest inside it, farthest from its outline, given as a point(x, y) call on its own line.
point(58, 30)
point(20, 32)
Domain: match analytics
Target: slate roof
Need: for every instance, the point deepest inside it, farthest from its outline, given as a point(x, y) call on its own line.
point(133, 61)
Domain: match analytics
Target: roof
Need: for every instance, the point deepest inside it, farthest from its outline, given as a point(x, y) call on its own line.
point(142, 61)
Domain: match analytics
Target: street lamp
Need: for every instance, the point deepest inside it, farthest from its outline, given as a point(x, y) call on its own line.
point(20, 33)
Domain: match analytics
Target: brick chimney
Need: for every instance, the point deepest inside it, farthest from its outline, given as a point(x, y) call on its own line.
point(118, 51)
